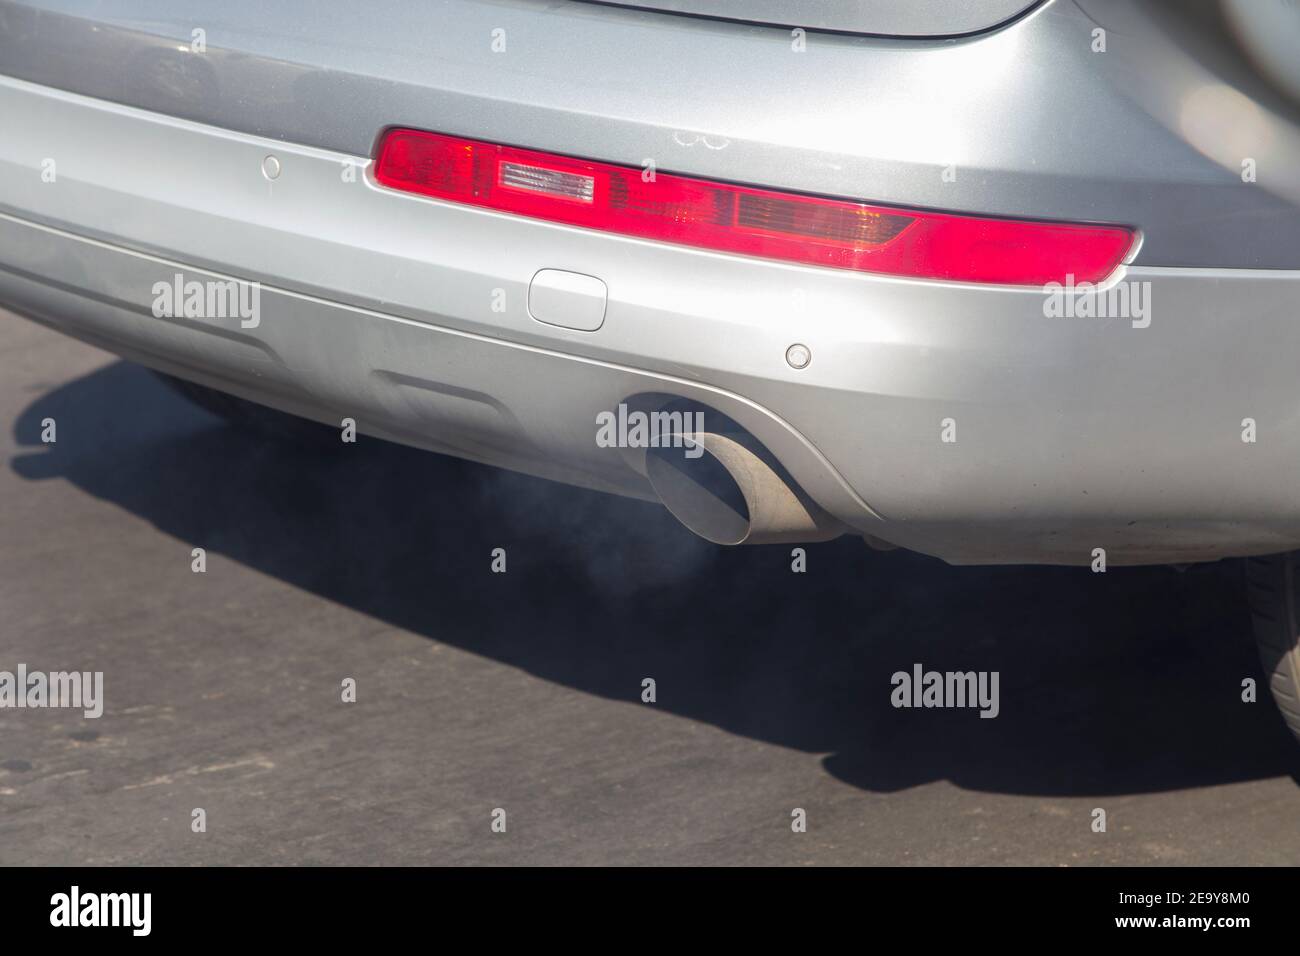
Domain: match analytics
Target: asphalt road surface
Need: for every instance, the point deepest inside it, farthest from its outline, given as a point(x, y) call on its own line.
point(522, 691)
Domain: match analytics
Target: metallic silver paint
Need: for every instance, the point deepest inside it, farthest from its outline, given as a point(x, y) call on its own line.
point(911, 18)
point(1073, 433)
point(1033, 122)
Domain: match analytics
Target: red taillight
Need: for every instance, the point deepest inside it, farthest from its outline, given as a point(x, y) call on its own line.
point(745, 220)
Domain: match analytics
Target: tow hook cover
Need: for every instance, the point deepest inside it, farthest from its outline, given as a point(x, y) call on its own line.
point(567, 299)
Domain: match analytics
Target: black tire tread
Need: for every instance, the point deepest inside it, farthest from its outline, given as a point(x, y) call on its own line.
point(1271, 584)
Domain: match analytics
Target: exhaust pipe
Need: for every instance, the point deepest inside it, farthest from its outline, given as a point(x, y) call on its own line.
point(735, 492)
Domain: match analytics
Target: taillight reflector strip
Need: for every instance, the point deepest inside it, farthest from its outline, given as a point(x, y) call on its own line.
point(744, 220)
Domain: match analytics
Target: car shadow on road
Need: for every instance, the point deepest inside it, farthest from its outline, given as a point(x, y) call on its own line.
point(1124, 682)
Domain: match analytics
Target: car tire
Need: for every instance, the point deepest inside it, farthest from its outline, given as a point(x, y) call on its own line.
point(1272, 583)
point(250, 416)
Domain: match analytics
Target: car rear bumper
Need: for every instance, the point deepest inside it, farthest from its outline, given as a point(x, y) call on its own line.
point(411, 316)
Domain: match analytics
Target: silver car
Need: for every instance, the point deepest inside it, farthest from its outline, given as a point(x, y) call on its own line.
point(1000, 281)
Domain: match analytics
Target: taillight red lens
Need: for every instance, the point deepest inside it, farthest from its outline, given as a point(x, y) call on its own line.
point(748, 221)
